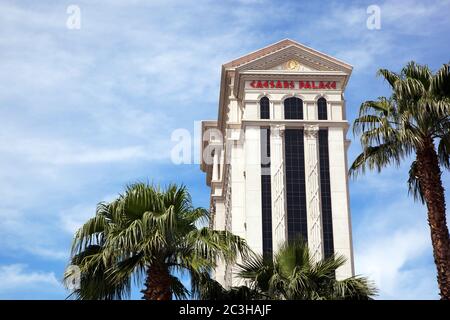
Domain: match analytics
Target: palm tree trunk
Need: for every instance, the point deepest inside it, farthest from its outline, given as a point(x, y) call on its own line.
point(158, 283)
point(429, 176)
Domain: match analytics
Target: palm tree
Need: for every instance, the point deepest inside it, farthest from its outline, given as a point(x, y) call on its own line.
point(292, 274)
point(207, 288)
point(148, 233)
point(409, 123)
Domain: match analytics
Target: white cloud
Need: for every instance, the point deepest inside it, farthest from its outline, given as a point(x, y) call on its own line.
point(74, 217)
point(390, 180)
point(393, 248)
point(48, 253)
point(22, 235)
point(370, 49)
point(63, 153)
point(15, 278)
point(413, 17)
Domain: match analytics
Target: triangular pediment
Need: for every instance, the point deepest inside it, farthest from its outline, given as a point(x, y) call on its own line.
point(288, 55)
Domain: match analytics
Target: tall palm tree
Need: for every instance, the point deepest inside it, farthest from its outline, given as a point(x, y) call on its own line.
point(148, 233)
point(410, 123)
point(292, 274)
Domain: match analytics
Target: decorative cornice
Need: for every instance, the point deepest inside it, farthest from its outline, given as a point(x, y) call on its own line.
point(297, 123)
point(281, 100)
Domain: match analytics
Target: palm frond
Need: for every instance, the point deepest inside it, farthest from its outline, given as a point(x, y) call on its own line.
point(294, 275)
point(440, 83)
point(178, 289)
point(377, 157)
point(409, 89)
point(258, 269)
point(95, 282)
point(418, 72)
point(444, 151)
point(217, 243)
point(390, 77)
point(354, 288)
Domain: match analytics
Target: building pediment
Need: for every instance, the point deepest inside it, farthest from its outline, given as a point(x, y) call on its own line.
point(295, 58)
point(288, 55)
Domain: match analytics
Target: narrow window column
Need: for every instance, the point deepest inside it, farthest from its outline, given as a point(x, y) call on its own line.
point(266, 193)
point(221, 164)
point(279, 225)
point(315, 242)
point(215, 169)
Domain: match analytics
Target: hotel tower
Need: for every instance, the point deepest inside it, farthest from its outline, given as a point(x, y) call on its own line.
point(276, 157)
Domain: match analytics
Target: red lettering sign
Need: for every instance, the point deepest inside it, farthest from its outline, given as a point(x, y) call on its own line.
point(278, 84)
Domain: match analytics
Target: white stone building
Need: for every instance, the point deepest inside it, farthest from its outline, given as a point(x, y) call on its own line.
point(276, 158)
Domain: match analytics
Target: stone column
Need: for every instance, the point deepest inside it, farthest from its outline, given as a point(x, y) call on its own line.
point(279, 217)
point(237, 174)
point(312, 179)
point(219, 273)
point(340, 201)
point(252, 191)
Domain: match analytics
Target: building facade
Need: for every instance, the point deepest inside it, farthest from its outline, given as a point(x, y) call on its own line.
point(276, 158)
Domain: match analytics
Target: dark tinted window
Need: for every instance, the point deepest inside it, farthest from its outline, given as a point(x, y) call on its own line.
point(293, 108)
point(266, 194)
point(322, 109)
point(295, 184)
point(325, 194)
point(264, 104)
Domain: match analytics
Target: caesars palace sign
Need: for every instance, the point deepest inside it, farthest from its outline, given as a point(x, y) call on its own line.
point(278, 84)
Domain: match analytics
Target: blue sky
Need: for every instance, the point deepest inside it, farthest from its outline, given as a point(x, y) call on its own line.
point(85, 112)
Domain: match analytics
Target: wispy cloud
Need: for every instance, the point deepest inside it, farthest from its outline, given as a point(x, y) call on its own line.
point(17, 282)
point(24, 235)
point(410, 19)
point(74, 217)
point(393, 248)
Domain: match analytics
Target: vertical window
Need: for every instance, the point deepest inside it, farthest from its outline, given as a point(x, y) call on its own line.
point(295, 173)
point(322, 109)
point(295, 184)
point(266, 194)
point(293, 108)
point(325, 193)
point(264, 106)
